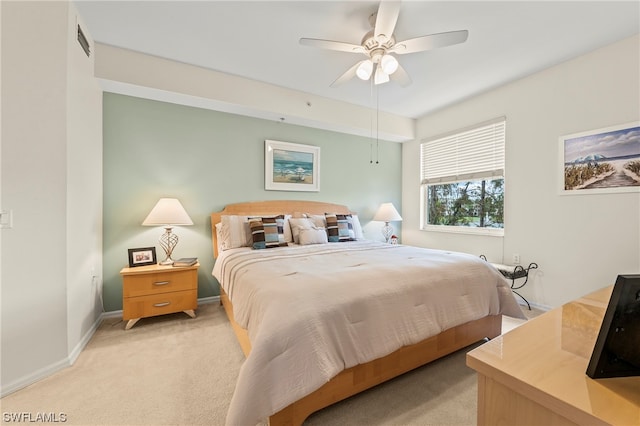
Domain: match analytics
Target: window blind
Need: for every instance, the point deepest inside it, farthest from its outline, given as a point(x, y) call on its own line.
point(471, 154)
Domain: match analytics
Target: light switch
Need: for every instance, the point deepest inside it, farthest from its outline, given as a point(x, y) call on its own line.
point(6, 219)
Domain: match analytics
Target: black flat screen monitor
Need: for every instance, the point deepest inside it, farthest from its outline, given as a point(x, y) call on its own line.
point(617, 349)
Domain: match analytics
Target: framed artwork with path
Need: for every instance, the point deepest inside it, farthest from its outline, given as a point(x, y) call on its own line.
point(605, 160)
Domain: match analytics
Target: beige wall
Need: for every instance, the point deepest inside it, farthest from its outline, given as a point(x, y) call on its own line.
point(84, 190)
point(581, 242)
point(51, 180)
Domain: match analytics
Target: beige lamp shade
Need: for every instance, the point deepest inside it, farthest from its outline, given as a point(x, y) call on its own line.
point(167, 211)
point(387, 213)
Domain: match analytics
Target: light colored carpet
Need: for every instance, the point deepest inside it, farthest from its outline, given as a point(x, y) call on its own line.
point(174, 370)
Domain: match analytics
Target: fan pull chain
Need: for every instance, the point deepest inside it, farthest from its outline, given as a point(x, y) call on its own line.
point(377, 126)
point(371, 127)
point(377, 119)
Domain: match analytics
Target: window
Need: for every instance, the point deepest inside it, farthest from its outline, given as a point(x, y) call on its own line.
point(463, 180)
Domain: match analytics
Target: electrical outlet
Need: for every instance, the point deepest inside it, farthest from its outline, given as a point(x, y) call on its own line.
point(516, 259)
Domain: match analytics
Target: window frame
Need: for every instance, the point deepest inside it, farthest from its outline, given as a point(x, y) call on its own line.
point(486, 171)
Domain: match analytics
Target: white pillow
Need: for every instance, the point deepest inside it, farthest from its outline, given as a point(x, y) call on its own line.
point(312, 236)
point(235, 232)
point(288, 235)
point(219, 236)
point(355, 225)
point(296, 223)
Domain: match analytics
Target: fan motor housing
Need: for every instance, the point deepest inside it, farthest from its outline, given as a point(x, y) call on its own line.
point(374, 48)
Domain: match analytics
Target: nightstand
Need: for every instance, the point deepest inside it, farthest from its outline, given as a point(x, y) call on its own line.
point(153, 290)
point(514, 272)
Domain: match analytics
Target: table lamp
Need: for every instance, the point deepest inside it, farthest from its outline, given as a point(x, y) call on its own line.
point(387, 213)
point(168, 212)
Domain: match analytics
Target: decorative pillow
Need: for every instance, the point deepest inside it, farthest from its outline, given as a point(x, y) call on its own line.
point(296, 225)
point(257, 233)
point(267, 232)
point(234, 232)
point(317, 219)
point(312, 236)
point(338, 228)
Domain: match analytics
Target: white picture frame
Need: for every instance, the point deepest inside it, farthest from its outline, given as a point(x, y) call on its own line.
point(291, 166)
point(605, 160)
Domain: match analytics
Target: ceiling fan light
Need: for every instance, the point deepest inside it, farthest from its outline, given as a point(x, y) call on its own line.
point(381, 76)
point(364, 70)
point(389, 64)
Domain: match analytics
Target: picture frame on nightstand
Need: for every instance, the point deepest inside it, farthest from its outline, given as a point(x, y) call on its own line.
point(142, 256)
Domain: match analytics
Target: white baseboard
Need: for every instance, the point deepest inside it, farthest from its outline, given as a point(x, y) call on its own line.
point(75, 353)
point(48, 370)
point(538, 306)
point(34, 377)
point(212, 299)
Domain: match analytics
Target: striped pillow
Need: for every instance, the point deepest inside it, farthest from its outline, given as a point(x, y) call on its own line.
point(267, 232)
point(339, 228)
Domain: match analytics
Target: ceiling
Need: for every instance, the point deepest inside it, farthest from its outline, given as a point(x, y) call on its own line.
point(258, 40)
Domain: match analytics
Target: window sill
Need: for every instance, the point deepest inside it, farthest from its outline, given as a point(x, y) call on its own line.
point(489, 232)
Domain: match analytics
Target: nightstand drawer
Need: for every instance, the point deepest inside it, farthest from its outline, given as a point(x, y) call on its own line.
point(159, 304)
point(160, 282)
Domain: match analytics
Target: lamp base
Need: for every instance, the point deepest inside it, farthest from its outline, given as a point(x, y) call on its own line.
point(168, 242)
point(387, 231)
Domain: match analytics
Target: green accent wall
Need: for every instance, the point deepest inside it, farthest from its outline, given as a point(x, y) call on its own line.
point(208, 159)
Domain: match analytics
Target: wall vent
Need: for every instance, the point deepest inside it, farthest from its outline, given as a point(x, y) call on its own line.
point(84, 42)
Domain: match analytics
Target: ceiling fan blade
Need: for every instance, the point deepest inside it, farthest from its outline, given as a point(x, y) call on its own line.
point(401, 77)
point(428, 42)
point(332, 45)
point(348, 75)
point(386, 19)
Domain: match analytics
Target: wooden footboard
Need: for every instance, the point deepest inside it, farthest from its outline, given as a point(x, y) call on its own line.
point(364, 376)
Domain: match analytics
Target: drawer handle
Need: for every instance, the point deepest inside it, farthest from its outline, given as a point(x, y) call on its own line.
point(160, 305)
point(161, 283)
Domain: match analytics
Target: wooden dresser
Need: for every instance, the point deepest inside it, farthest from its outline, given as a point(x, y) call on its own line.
point(153, 290)
point(536, 373)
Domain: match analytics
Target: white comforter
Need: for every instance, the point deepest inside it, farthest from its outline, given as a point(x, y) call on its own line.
point(313, 311)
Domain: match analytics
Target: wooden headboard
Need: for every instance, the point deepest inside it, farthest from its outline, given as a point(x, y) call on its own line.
point(264, 208)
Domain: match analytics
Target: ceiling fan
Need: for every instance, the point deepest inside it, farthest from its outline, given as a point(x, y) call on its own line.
point(379, 46)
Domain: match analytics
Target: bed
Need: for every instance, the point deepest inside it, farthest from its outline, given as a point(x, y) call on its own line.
point(320, 321)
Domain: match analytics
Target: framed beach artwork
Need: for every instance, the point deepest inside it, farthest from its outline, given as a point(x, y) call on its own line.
point(291, 166)
point(601, 161)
